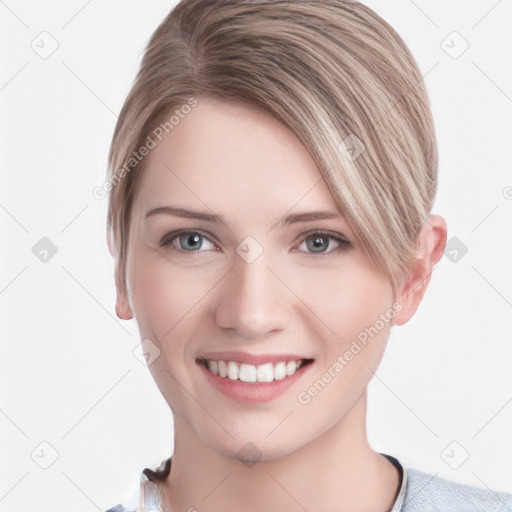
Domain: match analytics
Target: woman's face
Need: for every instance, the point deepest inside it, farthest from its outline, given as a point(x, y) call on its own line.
point(252, 287)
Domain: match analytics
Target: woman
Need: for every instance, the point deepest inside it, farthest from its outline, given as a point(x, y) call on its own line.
point(272, 177)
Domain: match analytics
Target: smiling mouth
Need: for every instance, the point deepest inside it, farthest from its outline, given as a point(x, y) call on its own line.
point(244, 372)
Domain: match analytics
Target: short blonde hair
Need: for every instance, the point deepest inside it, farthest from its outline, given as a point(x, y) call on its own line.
point(332, 71)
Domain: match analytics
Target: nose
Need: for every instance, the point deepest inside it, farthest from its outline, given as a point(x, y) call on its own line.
point(253, 300)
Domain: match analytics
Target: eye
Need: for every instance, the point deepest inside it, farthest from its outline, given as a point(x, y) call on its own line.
point(316, 242)
point(319, 241)
point(187, 240)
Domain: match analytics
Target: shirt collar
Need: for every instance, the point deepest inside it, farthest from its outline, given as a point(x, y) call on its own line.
point(402, 483)
point(150, 500)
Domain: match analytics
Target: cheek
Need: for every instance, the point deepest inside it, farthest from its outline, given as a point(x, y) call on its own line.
point(166, 300)
point(346, 299)
point(350, 301)
point(163, 293)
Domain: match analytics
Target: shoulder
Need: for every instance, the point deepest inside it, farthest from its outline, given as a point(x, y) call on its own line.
point(429, 493)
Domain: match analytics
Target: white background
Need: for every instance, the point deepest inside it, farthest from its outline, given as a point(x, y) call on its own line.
point(68, 374)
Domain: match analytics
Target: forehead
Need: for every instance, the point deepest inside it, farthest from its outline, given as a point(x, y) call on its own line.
point(232, 160)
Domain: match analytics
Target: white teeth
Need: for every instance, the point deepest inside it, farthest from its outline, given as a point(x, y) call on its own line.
point(213, 367)
point(232, 370)
point(254, 373)
point(280, 371)
point(223, 368)
point(291, 367)
point(247, 373)
point(265, 372)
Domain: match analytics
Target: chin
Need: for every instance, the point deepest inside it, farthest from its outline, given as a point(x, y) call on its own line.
point(254, 447)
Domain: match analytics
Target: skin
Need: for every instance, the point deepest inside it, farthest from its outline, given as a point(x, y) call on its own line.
point(231, 161)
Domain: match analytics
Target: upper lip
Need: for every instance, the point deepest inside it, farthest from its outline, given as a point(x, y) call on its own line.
point(245, 357)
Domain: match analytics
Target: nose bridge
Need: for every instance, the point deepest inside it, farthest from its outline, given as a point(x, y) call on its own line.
point(252, 300)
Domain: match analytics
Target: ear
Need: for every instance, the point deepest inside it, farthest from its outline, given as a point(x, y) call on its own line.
point(123, 309)
point(431, 244)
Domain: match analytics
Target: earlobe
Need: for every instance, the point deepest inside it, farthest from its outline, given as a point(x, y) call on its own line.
point(431, 244)
point(123, 309)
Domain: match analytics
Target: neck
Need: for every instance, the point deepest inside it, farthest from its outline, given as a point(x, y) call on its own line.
point(336, 471)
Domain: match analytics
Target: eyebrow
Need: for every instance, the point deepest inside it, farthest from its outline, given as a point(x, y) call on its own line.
point(212, 217)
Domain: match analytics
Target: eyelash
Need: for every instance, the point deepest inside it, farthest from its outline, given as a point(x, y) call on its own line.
point(343, 243)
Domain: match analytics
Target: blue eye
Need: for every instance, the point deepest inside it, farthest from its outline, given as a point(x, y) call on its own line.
point(317, 242)
point(188, 240)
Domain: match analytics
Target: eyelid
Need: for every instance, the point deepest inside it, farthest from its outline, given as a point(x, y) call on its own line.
point(326, 233)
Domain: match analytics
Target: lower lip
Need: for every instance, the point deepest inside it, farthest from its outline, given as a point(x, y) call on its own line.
point(253, 392)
